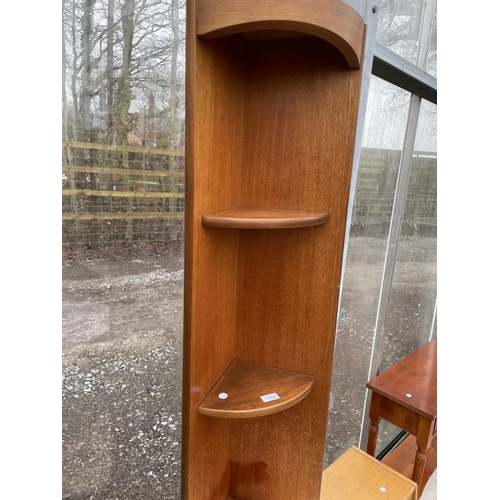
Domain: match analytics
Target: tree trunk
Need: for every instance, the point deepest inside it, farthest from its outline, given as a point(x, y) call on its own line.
point(127, 18)
point(174, 20)
point(74, 76)
point(109, 68)
point(86, 80)
point(68, 160)
point(87, 93)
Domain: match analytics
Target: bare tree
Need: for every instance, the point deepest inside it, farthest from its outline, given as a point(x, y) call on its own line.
point(109, 65)
point(123, 98)
point(399, 26)
point(87, 68)
point(122, 74)
point(68, 156)
point(174, 22)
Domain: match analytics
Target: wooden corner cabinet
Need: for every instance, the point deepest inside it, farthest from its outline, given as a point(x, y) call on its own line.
point(271, 108)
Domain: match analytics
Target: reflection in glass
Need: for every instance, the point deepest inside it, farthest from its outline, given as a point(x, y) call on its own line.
point(399, 27)
point(431, 60)
point(122, 233)
point(380, 157)
point(410, 316)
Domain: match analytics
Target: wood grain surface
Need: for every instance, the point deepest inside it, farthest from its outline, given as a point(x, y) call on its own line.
point(412, 382)
point(406, 395)
point(270, 124)
point(260, 218)
point(332, 20)
point(402, 460)
point(356, 475)
point(244, 384)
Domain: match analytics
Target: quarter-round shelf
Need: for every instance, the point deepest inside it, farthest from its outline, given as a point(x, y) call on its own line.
point(262, 218)
point(248, 390)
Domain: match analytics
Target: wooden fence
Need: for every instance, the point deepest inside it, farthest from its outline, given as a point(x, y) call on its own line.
point(103, 201)
point(375, 206)
point(376, 185)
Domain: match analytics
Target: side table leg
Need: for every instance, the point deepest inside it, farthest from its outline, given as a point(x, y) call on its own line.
point(374, 424)
point(419, 467)
point(424, 438)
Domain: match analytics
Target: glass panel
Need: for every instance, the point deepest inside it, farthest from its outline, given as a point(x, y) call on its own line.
point(380, 157)
point(431, 61)
point(412, 300)
point(122, 233)
point(399, 27)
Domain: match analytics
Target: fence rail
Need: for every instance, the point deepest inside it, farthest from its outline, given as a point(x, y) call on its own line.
point(136, 215)
point(118, 147)
point(120, 194)
point(121, 171)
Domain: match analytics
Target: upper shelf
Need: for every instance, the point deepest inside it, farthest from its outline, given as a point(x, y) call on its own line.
point(331, 20)
point(264, 218)
point(248, 390)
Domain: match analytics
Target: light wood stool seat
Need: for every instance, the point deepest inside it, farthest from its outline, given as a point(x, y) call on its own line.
point(355, 475)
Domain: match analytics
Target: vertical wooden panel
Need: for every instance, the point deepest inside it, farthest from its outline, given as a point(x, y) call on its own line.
point(271, 124)
point(215, 83)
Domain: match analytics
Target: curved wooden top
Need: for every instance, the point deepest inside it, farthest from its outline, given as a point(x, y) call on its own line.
point(264, 218)
point(331, 20)
point(250, 390)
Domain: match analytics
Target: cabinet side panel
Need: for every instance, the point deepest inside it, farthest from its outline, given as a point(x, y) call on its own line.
point(300, 122)
point(213, 177)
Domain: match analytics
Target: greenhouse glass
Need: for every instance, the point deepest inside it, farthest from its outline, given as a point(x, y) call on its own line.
point(379, 164)
point(399, 27)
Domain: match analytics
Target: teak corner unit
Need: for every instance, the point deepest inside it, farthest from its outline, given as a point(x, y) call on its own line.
point(271, 109)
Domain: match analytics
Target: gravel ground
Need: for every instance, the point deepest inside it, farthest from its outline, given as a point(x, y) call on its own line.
point(121, 382)
point(122, 363)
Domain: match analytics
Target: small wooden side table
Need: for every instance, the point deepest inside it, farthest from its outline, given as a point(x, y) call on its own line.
point(355, 475)
point(406, 395)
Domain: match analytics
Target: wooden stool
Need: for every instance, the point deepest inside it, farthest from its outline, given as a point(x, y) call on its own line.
point(358, 476)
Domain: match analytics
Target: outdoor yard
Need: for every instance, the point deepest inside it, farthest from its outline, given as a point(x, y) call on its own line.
point(122, 364)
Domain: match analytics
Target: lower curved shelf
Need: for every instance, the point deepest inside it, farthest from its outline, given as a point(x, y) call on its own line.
point(248, 390)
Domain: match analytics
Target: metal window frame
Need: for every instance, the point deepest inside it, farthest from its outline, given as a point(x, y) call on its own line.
point(391, 67)
point(398, 71)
